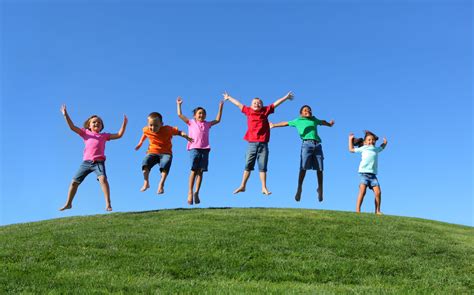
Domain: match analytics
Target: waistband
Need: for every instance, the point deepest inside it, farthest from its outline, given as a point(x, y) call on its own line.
point(311, 140)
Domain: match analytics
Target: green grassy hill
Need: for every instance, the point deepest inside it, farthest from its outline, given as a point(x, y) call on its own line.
point(237, 251)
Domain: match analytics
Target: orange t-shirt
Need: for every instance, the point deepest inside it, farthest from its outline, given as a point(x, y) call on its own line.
point(160, 142)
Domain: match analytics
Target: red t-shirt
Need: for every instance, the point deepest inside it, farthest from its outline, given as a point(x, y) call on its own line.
point(257, 123)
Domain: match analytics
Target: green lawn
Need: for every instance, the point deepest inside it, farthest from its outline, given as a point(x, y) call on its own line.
point(237, 251)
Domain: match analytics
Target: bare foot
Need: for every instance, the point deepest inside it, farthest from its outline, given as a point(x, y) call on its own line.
point(108, 208)
point(239, 190)
point(145, 186)
point(196, 198)
point(298, 195)
point(65, 207)
point(160, 190)
point(320, 194)
point(266, 192)
point(190, 198)
point(379, 213)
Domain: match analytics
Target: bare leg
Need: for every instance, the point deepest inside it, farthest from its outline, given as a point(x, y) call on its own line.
point(199, 176)
point(70, 195)
point(299, 190)
point(320, 185)
point(360, 197)
point(378, 199)
point(146, 183)
point(104, 184)
point(161, 185)
point(242, 186)
point(192, 175)
point(263, 179)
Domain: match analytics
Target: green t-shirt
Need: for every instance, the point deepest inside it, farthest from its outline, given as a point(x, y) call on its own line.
point(307, 127)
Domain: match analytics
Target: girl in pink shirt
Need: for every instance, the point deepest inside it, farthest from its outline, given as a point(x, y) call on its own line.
point(94, 156)
point(199, 148)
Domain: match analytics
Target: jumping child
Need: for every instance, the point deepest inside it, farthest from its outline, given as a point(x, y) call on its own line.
point(258, 136)
point(311, 157)
point(198, 129)
point(159, 149)
point(93, 156)
point(368, 167)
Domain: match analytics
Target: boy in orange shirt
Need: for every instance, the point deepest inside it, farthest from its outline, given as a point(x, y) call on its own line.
point(159, 149)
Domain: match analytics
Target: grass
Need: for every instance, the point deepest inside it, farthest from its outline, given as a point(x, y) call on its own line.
point(236, 251)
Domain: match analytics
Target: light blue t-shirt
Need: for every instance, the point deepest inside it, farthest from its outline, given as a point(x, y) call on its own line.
point(368, 164)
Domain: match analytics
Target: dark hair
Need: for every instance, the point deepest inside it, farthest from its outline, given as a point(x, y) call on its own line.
point(306, 106)
point(197, 109)
point(155, 115)
point(86, 123)
point(358, 142)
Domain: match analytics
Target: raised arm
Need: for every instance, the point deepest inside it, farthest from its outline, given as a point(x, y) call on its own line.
point(232, 100)
point(351, 145)
point(288, 96)
point(281, 124)
point(219, 114)
point(122, 129)
point(69, 121)
point(384, 144)
point(179, 102)
point(326, 123)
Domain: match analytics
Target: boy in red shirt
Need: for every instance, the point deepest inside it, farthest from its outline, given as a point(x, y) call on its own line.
point(159, 149)
point(258, 136)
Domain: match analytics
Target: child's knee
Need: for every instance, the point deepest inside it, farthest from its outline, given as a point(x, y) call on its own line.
point(102, 179)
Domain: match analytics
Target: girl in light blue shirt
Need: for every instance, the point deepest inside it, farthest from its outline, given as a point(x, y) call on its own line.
point(368, 167)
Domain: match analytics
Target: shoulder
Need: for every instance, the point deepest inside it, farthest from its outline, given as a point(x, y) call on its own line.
point(246, 109)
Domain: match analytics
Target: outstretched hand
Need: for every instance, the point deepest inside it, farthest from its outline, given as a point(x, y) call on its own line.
point(331, 123)
point(226, 95)
point(290, 95)
point(271, 125)
point(351, 135)
point(179, 100)
point(385, 141)
point(63, 109)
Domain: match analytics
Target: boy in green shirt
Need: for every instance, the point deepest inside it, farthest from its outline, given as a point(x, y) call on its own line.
point(311, 149)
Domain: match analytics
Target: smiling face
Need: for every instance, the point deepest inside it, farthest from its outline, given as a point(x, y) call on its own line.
point(199, 114)
point(369, 140)
point(95, 124)
point(306, 112)
point(257, 104)
point(155, 124)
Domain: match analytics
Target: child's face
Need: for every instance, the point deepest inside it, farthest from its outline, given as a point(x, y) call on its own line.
point(154, 125)
point(306, 112)
point(95, 125)
point(369, 140)
point(200, 115)
point(256, 104)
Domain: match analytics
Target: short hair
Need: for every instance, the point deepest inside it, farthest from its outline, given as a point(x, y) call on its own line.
point(258, 99)
point(155, 115)
point(305, 106)
point(87, 122)
point(199, 108)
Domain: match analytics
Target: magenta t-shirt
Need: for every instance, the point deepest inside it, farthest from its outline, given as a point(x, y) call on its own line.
point(257, 123)
point(199, 131)
point(94, 149)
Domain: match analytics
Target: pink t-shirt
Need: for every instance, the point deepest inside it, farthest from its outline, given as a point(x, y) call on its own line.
point(199, 131)
point(257, 123)
point(94, 149)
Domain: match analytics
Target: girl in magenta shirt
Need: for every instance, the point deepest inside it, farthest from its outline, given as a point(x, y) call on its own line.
point(94, 156)
point(199, 148)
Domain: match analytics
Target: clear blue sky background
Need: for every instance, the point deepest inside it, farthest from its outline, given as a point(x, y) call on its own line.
point(402, 69)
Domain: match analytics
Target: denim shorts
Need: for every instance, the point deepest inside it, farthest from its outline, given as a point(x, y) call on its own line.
point(87, 167)
point(164, 160)
point(369, 179)
point(312, 157)
point(257, 151)
point(199, 159)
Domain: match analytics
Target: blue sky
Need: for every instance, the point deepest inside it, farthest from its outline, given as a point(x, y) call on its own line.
point(402, 69)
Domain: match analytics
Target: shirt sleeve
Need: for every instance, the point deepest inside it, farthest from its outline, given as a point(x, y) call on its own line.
point(379, 149)
point(270, 109)
point(292, 123)
point(82, 132)
point(107, 136)
point(174, 130)
point(317, 121)
point(245, 110)
point(358, 150)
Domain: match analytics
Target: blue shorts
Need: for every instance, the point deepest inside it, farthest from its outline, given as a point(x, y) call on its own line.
point(257, 151)
point(369, 179)
point(87, 167)
point(164, 160)
point(199, 159)
point(312, 157)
